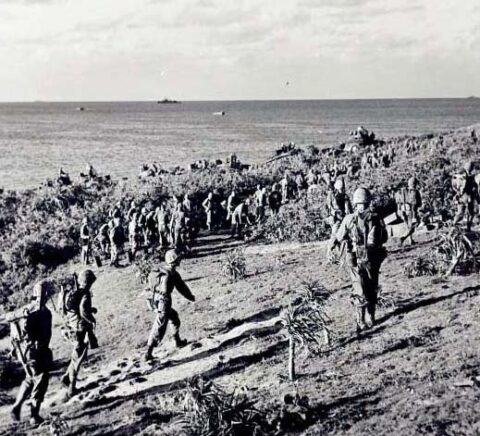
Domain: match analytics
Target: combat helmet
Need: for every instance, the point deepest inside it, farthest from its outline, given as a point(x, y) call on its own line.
point(172, 256)
point(339, 184)
point(86, 278)
point(42, 290)
point(361, 195)
point(468, 166)
point(412, 182)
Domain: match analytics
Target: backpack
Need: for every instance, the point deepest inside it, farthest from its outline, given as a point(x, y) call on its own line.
point(69, 299)
point(154, 280)
point(412, 198)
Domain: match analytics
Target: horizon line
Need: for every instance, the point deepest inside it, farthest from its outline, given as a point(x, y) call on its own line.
point(236, 100)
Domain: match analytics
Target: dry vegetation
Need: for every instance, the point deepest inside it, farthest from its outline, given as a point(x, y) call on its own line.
point(416, 372)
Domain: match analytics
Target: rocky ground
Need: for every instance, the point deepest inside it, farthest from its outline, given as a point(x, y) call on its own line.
point(415, 372)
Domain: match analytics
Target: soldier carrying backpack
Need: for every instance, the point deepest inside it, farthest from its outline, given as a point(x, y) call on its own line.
point(409, 209)
point(30, 335)
point(364, 234)
point(161, 285)
point(80, 325)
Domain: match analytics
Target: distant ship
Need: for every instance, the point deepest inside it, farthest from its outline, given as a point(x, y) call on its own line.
point(81, 108)
point(472, 97)
point(222, 113)
point(167, 101)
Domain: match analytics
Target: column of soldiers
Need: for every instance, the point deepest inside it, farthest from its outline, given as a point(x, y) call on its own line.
point(357, 231)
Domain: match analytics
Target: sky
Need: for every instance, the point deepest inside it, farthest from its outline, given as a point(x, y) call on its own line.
point(110, 50)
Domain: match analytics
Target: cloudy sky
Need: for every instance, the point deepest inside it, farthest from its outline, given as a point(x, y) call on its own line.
point(238, 49)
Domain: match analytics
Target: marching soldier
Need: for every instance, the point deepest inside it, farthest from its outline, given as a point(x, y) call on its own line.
point(338, 206)
point(117, 240)
point(409, 209)
point(31, 334)
point(275, 199)
point(240, 217)
point(162, 225)
point(85, 237)
point(161, 285)
point(80, 326)
point(364, 234)
point(466, 190)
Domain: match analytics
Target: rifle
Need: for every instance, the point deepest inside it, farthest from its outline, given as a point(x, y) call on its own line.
point(16, 337)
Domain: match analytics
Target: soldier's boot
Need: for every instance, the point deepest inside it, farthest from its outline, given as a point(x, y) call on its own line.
point(72, 389)
point(35, 418)
point(65, 380)
point(179, 342)
point(360, 318)
point(15, 412)
point(148, 357)
point(371, 315)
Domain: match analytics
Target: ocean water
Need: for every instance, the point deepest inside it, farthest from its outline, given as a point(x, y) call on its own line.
point(36, 139)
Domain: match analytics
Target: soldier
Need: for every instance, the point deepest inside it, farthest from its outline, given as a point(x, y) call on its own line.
point(364, 234)
point(232, 203)
point(209, 207)
point(161, 285)
point(150, 228)
point(311, 177)
point(240, 217)
point(133, 236)
point(142, 225)
point(275, 199)
point(133, 209)
point(409, 209)
point(260, 203)
point(286, 188)
point(162, 225)
point(466, 190)
point(31, 334)
point(116, 211)
point(86, 241)
point(188, 208)
point(80, 326)
point(117, 240)
point(103, 239)
point(177, 227)
point(338, 206)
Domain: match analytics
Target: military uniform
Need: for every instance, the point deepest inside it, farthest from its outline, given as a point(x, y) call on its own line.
point(161, 285)
point(177, 228)
point(31, 335)
point(466, 196)
point(364, 235)
point(103, 239)
point(162, 226)
point(80, 326)
point(409, 201)
point(239, 219)
point(117, 240)
point(85, 238)
point(260, 203)
point(275, 200)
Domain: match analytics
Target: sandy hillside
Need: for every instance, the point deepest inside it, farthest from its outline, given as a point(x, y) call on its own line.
point(414, 373)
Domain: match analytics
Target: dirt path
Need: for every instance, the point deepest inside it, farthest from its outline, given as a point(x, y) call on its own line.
point(413, 373)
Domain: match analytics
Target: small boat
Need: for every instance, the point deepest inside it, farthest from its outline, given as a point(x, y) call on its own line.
point(221, 114)
point(81, 108)
point(167, 101)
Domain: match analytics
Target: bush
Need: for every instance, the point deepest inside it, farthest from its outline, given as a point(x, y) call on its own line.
point(234, 265)
point(296, 221)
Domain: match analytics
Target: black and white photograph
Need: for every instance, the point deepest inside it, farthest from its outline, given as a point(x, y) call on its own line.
point(239, 217)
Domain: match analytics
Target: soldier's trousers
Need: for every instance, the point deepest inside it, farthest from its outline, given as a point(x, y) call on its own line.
point(463, 209)
point(34, 387)
point(364, 276)
point(159, 327)
point(114, 253)
point(79, 353)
